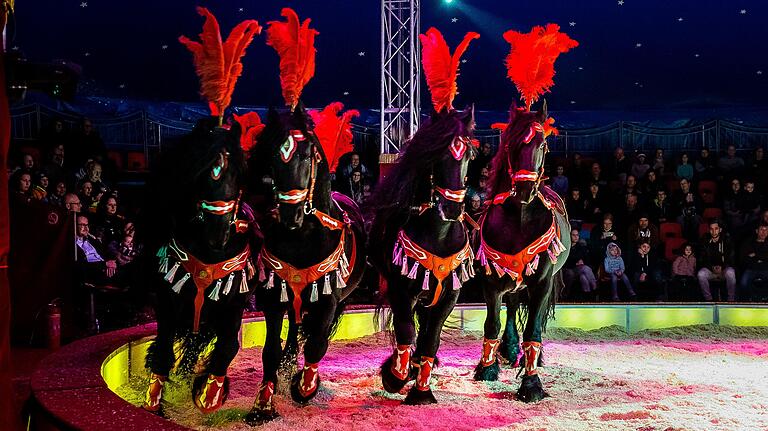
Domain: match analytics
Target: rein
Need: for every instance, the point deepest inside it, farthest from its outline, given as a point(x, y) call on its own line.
point(297, 196)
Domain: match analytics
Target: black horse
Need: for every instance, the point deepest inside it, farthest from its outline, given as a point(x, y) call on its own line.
point(204, 239)
point(421, 246)
point(312, 257)
point(525, 238)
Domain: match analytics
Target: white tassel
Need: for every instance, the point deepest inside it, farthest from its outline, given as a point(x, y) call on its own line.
point(262, 275)
point(340, 283)
point(529, 269)
point(498, 269)
point(283, 291)
point(560, 246)
point(327, 284)
point(404, 269)
point(163, 265)
point(244, 283)
point(535, 262)
point(313, 296)
point(250, 268)
point(464, 272)
point(456, 282)
point(397, 254)
point(228, 284)
point(344, 265)
point(271, 282)
point(425, 283)
point(470, 268)
point(177, 287)
point(414, 271)
point(552, 256)
point(172, 273)
point(481, 257)
point(214, 295)
point(471, 254)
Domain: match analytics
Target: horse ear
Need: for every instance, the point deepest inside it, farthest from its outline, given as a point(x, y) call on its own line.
point(512, 112)
point(543, 113)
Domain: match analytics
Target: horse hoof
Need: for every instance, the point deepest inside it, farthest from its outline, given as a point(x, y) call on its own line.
point(418, 397)
point(209, 392)
point(258, 416)
point(158, 411)
point(297, 393)
point(489, 373)
point(390, 382)
point(531, 390)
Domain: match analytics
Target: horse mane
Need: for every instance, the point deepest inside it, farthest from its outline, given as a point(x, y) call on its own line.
point(509, 147)
point(400, 190)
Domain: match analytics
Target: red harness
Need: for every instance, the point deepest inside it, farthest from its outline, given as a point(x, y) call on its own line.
point(298, 279)
point(526, 260)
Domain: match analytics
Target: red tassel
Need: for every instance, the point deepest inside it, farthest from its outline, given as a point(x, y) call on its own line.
point(252, 127)
point(218, 65)
point(295, 44)
point(531, 60)
point(334, 132)
point(440, 67)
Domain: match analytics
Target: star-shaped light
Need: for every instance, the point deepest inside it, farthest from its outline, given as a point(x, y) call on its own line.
point(680, 19)
point(638, 45)
point(346, 93)
point(121, 86)
point(759, 72)
point(573, 102)
point(572, 24)
point(696, 55)
point(87, 54)
point(454, 19)
point(621, 2)
point(581, 68)
point(361, 54)
point(463, 60)
point(637, 83)
point(743, 11)
point(84, 4)
point(164, 46)
point(240, 9)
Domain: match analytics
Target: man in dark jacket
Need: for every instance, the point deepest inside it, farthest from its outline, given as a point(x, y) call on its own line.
point(754, 261)
point(642, 230)
point(577, 268)
point(716, 260)
point(645, 272)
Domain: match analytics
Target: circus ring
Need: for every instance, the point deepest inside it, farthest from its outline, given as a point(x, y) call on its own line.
point(598, 378)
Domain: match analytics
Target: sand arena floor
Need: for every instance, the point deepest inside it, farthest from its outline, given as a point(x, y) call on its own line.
point(695, 378)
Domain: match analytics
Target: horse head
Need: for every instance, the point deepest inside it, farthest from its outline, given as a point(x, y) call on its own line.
point(296, 160)
point(449, 170)
point(526, 147)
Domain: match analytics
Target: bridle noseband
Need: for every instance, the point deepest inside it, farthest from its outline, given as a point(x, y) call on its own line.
point(306, 195)
point(523, 175)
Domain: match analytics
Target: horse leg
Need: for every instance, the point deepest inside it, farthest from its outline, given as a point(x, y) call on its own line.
point(427, 344)
point(488, 368)
point(396, 369)
point(210, 391)
point(263, 409)
point(510, 340)
point(160, 358)
point(317, 325)
point(290, 352)
point(539, 292)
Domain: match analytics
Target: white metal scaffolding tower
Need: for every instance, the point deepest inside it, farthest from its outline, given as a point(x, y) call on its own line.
point(400, 72)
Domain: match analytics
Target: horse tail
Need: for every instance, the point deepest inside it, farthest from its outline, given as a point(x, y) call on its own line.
point(382, 319)
point(557, 285)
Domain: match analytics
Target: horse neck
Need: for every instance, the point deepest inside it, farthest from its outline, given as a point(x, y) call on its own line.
point(433, 233)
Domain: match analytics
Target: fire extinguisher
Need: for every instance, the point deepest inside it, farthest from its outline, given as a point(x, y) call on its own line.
point(54, 326)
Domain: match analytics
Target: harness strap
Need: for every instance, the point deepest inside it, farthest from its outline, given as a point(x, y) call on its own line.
point(452, 195)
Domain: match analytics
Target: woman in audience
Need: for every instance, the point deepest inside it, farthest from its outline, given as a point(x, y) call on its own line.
point(685, 168)
point(108, 224)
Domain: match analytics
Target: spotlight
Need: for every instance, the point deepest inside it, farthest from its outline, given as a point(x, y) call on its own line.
point(448, 1)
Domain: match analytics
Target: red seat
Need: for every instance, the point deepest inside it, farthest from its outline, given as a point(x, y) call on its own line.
point(117, 158)
point(670, 230)
point(712, 213)
point(703, 229)
point(672, 245)
point(707, 191)
point(136, 161)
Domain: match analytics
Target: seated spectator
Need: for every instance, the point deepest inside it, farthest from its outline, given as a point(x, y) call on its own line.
point(40, 187)
point(576, 206)
point(645, 272)
point(683, 270)
point(602, 235)
point(28, 163)
point(481, 160)
point(87, 144)
point(21, 186)
point(72, 203)
point(717, 260)
point(651, 184)
point(55, 164)
point(750, 203)
point(705, 166)
point(124, 251)
point(642, 231)
point(614, 266)
point(688, 207)
point(476, 206)
point(754, 261)
point(621, 165)
point(559, 182)
point(640, 167)
point(685, 168)
point(107, 223)
point(757, 168)
point(57, 193)
point(482, 188)
point(90, 264)
point(596, 176)
point(659, 162)
point(86, 195)
point(577, 171)
point(354, 164)
point(354, 186)
point(577, 268)
point(730, 165)
point(660, 211)
point(595, 203)
point(630, 211)
point(732, 207)
point(631, 186)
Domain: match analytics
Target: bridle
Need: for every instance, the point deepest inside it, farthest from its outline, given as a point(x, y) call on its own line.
point(306, 195)
point(458, 148)
point(222, 208)
point(524, 175)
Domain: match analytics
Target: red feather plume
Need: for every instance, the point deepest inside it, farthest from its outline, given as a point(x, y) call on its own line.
point(334, 132)
point(251, 127)
point(440, 67)
point(531, 60)
point(549, 127)
point(218, 64)
point(295, 44)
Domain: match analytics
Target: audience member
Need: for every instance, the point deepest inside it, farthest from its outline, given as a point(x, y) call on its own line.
point(717, 260)
point(560, 182)
point(705, 166)
point(481, 160)
point(621, 165)
point(730, 164)
point(683, 271)
point(645, 272)
point(40, 187)
point(630, 211)
point(758, 168)
point(57, 193)
point(631, 186)
point(642, 231)
point(107, 223)
point(614, 266)
point(640, 167)
point(651, 185)
point(754, 262)
point(90, 263)
point(661, 211)
point(596, 175)
point(685, 168)
point(72, 203)
point(658, 162)
point(21, 186)
point(577, 268)
point(602, 235)
point(732, 206)
point(595, 203)
point(688, 207)
point(576, 206)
